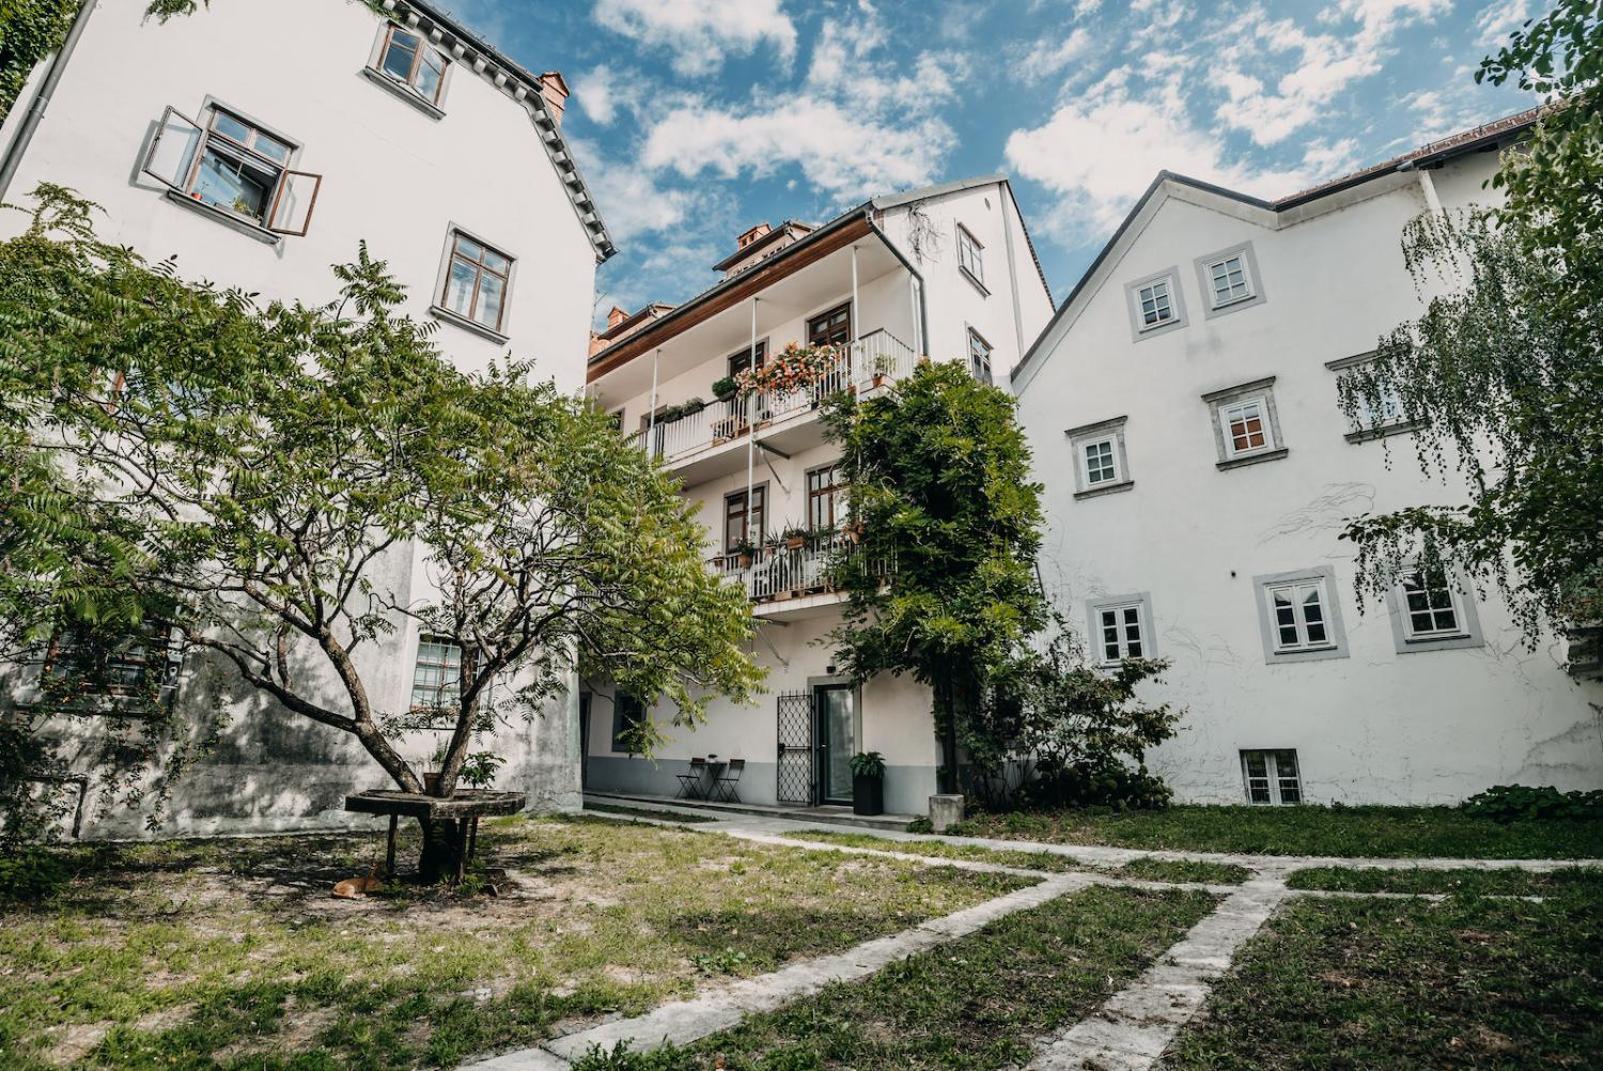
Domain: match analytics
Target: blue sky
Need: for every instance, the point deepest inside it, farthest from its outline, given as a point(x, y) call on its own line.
point(695, 119)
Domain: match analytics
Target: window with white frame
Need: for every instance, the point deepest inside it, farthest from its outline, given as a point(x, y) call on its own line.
point(138, 662)
point(1246, 427)
point(1298, 612)
point(1246, 423)
point(1157, 308)
point(1099, 458)
point(1229, 281)
point(437, 674)
point(1377, 412)
point(1271, 776)
point(1101, 462)
point(970, 255)
point(478, 280)
point(1432, 608)
point(234, 166)
point(406, 58)
point(979, 356)
point(1300, 616)
point(1121, 627)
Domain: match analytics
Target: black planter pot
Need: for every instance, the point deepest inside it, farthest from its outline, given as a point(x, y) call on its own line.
point(868, 794)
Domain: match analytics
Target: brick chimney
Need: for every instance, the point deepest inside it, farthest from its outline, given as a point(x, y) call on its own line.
point(752, 235)
point(554, 88)
point(616, 317)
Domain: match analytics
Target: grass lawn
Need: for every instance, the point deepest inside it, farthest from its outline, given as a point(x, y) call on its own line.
point(1380, 832)
point(1458, 882)
point(1398, 985)
point(232, 954)
point(1148, 869)
point(972, 1005)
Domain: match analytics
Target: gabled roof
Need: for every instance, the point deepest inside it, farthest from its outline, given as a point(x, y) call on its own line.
point(1483, 138)
point(474, 53)
point(758, 244)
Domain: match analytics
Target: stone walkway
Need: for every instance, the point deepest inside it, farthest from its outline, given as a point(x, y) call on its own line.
point(1128, 1032)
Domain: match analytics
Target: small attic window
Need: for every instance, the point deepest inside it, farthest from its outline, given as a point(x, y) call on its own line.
point(407, 64)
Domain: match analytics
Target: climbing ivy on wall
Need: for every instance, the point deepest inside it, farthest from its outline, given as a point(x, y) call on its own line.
point(29, 31)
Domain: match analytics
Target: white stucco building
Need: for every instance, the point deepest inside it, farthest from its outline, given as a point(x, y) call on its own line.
point(1182, 411)
point(946, 271)
point(259, 142)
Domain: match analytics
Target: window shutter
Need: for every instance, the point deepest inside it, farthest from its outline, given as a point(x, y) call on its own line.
point(172, 151)
point(292, 207)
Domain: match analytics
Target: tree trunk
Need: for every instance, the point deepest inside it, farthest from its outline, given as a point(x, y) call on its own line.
point(444, 856)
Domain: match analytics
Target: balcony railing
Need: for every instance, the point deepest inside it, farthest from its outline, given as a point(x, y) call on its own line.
point(775, 573)
point(876, 358)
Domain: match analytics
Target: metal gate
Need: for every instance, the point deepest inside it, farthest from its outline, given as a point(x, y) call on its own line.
point(797, 748)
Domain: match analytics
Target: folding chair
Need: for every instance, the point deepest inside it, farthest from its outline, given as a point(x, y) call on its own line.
point(690, 784)
point(724, 787)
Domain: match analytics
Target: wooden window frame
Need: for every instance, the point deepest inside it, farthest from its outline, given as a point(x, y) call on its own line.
point(970, 255)
point(973, 337)
point(759, 491)
point(452, 253)
point(284, 170)
point(834, 491)
point(1265, 426)
point(424, 46)
point(825, 317)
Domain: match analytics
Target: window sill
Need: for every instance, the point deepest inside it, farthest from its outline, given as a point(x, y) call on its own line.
point(440, 312)
point(226, 218)
point(1455, 642)
point(971, 277)
point(1308, 654)
point(1365, 435)
point(405, 93)
point(1243, 460)
point(1105, 489)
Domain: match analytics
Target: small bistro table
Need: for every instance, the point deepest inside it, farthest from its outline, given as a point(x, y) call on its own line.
point(465, 808)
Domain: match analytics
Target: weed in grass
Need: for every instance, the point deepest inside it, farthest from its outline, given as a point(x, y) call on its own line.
point(1461, 882)
point(646, 812)
point(974, 1004)
point(231, 953)
point(1381, 832)
point(1396, 985)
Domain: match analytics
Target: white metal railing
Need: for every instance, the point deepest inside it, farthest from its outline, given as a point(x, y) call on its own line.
point(876, 358)
point(780, 572)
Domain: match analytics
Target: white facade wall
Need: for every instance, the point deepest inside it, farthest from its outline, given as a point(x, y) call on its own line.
point(1433, 725)
point(893, 714)
point(394, 176)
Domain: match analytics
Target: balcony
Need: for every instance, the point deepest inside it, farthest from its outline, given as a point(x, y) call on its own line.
point(711, 441)
point(795, 581)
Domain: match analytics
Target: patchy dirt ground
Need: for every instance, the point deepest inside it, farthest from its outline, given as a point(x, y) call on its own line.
point(234, 953)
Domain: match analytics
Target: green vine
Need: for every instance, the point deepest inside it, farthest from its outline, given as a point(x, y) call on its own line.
point(29, 31)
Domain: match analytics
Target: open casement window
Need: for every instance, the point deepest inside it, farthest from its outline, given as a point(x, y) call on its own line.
point(979, 357)
point(407, 58)
point(1271, 776)
point(234, 167)
point(970, 254)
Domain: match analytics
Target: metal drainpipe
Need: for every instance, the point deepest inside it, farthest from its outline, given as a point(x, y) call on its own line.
point(651, 410)
point(41, 99)
point(751, 429)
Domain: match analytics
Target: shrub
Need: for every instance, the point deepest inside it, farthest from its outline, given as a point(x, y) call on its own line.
point(1517, 803)
point(31, 875)
point(1090, 783)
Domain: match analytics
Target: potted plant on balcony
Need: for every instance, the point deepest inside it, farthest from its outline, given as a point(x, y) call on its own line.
point(725, 388)
point(691, 407)
point(795, 537)
point(868, 783)
point(744, 551)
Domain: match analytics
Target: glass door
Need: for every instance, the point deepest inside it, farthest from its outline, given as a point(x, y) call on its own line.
point(836, 708)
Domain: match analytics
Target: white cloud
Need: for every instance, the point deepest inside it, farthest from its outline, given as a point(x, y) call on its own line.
point(631, 200)
point(1047, 59)
point(594, 92)
point(702, 33)
point(1273, 107)
point(839, 150)
point(1100, 151)
point(1499, 19)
